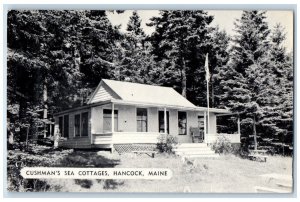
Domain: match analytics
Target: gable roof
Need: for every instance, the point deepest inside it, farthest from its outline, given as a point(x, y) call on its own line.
point(138, 93)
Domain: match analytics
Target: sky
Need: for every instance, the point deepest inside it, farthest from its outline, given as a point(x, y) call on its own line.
point(223, 18)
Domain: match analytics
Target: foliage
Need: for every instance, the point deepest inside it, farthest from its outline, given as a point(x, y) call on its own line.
point(166, 143)
point(56, 58)
point(35, 156)
point(84, 183)
point(256, 83)
point(222, 145)
point(180, 42)
point(87, 158)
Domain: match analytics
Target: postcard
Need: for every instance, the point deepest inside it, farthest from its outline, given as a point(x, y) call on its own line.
point(150, 101)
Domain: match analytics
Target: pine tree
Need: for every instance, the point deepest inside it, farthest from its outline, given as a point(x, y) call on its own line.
point(253, 81)
point(218, 58)
point(134, 56)
point(179, 44)
point(62, 52)
point(243, 79)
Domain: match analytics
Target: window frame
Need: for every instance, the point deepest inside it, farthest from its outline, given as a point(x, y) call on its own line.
point(141, 120)
point(116, 118)
point(87, 125)
point(61, 125)
point(66, 128)
point(80, 124)
point(180, 122)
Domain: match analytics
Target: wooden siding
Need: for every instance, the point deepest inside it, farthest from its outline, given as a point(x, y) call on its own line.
point(126, 118)
point(97, 119)
point(134, 138)
point(212, 123)
point(105, 138)
point(103, 94)
point(173, 122)
point(72, 141)
point(125, 138)
point(76, 143)
point(152, 119)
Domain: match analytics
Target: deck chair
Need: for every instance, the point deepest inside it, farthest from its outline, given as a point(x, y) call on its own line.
point(197, 134)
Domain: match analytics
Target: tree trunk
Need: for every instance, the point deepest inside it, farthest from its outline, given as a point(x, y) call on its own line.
point(27, 136)
point(45, 110)
point(254, 133)
point(183, 81)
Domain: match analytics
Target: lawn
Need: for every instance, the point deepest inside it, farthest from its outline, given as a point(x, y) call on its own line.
point(226, 174)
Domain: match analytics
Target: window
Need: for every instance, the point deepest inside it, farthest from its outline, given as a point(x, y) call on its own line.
point(161, 122)
point(60, 125)
point(81, 125)
point(201, 122)
point(141, 118)
point(107, 120)
point(77, 125)
point(66, 126)
point(182, 123)
point(84, 124)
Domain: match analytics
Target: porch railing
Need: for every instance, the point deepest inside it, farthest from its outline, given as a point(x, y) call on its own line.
point(125, 138)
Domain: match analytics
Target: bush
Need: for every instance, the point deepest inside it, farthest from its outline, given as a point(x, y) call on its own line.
point(34, 156)
point(166, 143)
point(222, 145)
point(84, 183)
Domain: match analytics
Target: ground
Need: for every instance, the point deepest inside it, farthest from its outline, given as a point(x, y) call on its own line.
point(226, 174)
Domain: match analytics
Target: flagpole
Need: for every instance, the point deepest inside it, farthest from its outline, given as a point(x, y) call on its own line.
point(207, 97)
point(207, 88)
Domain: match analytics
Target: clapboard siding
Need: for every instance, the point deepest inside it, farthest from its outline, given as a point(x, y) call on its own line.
point(102, 94)
point(76, 143)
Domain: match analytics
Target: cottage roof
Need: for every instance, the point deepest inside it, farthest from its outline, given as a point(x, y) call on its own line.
point(127, 93)
point(141, 93)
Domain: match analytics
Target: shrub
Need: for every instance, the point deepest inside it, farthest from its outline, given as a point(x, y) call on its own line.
point(84, 183)
point(166, 143)
point(34, 156)
point(222, 145)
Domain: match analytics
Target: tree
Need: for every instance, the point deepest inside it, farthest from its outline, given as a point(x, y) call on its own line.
point(62, 52)
point(134, 57)
point(218, 58)
point(252, 84)
point(179, 44)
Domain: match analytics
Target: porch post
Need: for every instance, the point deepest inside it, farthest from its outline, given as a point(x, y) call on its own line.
point(205, 140)
point(239, 125)
point(112, 117)
point(165, 120)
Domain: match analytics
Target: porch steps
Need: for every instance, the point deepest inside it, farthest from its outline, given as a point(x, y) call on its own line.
point(195, 150)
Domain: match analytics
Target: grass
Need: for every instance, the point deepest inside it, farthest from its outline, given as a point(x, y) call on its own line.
point(226, 174)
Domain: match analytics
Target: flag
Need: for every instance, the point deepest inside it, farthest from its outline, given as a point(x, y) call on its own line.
point(206, 67)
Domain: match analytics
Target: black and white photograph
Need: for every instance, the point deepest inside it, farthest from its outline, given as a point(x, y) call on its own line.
point(150, 101)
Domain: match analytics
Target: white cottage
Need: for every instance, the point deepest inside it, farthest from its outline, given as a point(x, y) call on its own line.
point(120, 113)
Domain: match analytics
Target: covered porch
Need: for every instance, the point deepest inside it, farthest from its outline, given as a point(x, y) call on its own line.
point(156, 125)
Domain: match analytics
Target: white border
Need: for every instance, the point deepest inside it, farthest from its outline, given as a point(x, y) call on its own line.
point(212, 3)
